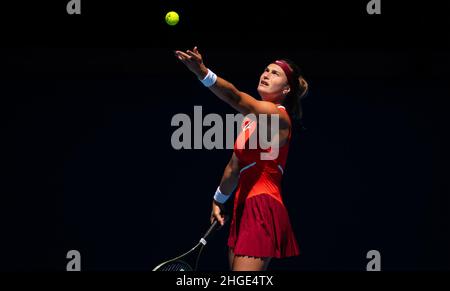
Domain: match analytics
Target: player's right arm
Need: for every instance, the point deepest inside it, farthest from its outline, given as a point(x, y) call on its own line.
point(228, 183)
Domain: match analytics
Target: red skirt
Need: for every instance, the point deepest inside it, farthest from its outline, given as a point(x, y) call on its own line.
point(261, 228)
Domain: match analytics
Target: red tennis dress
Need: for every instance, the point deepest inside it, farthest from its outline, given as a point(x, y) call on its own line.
point(260, 226)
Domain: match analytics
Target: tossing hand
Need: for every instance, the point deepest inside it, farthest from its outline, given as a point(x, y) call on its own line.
point(193, 60)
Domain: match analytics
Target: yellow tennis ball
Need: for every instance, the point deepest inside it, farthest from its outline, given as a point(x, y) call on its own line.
point(172, 18)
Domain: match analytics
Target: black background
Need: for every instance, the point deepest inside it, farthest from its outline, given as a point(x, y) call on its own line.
point(87, 102)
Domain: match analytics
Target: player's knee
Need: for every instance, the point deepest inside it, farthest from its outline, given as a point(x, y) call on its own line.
point(245, 263)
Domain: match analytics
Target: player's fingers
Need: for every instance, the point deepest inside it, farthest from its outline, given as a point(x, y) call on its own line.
point(197, 52)
point(183, 54)
point(193, 55)
point(184, 60)
point(179, 56)
point(219, 218)
point(216, 216)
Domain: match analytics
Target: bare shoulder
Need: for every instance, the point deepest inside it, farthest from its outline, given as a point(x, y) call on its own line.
point(248, 105)
point(271, 108)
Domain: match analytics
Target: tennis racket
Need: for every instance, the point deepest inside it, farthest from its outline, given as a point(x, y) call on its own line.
point(189, 260)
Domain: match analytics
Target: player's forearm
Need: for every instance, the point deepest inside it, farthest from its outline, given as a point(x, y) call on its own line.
point(223, 89)
point(227, 92)
point(229, 181)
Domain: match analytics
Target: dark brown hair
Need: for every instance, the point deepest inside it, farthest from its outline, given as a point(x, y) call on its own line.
point(293, 99)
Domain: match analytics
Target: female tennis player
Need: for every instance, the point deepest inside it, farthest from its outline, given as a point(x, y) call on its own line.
point(260, 227)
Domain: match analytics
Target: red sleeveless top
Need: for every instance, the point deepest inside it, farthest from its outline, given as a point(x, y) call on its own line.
point(258, 175)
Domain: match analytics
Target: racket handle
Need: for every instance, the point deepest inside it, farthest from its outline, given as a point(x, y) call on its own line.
point(214, 226)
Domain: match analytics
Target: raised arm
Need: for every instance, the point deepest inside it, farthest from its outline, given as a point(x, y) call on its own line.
point(226, 91)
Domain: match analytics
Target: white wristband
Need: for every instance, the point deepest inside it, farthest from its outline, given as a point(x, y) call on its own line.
point(210, 79)
point(220, 197)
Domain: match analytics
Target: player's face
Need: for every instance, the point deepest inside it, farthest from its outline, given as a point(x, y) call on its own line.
point(272, 83)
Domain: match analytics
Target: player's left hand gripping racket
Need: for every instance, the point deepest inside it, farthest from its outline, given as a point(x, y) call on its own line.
point(187, 260)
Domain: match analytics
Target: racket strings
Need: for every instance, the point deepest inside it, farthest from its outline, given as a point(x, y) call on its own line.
point(175, 266)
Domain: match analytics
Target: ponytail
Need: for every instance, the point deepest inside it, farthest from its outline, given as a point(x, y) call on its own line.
point(299, 91)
